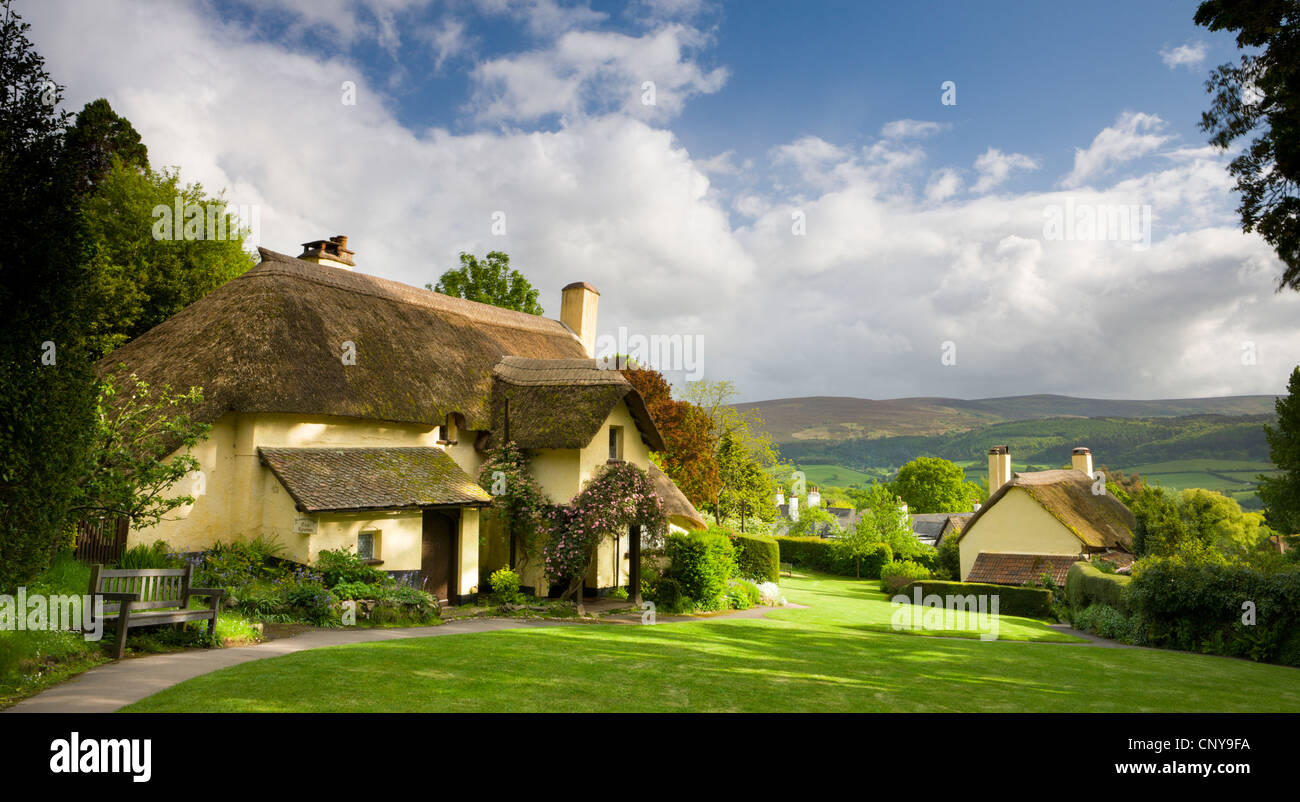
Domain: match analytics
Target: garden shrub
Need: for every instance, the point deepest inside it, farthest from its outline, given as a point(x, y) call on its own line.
point(505, 584)
point(345, 591)
point(1012, 600)
point(742, 594)
point(769, 594)
point(897, 573)
point(343, 565)
point(1086, 584)
point(948, 556)
point(1104, 620)
point(1200, 605)
point(877, 557)
point(701, 563)
point(758, 557)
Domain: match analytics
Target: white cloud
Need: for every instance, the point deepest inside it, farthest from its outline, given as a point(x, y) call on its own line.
point(1189, 55)
point(586, 72)
point(903, 129)
point(447, 40)
point(994, 167)
point(1132, 136)
point(894, 259)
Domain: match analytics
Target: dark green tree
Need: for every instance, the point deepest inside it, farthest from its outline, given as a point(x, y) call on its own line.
point(1261, 97)
point(1281, 494)
point(47, 388)
point(490, 281)
point(98, 136)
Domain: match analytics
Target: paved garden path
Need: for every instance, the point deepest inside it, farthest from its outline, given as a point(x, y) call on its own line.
point(107, 688)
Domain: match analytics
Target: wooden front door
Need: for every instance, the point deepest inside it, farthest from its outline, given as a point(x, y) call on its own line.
point(438, 554)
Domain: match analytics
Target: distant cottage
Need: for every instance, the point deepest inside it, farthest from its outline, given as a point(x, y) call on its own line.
point(350, 411)
point(1042, 522)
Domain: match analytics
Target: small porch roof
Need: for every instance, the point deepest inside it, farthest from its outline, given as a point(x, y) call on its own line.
point(356, 479)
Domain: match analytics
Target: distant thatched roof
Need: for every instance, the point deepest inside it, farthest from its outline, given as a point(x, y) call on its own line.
point(676, 505)
point(272, 340)
point(348, 479)
point(561, 403)
point(1099, 521)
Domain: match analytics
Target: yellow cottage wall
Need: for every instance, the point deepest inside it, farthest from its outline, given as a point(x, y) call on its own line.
point(1016, 524)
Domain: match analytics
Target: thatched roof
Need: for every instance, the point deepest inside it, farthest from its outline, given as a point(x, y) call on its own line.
point(272, 340)
point(676, 505)
point(1099, 521)
point(561, 403)
point(351, 479)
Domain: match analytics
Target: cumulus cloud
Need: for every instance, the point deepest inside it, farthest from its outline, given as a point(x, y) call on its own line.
point(892, 261)
point(995, 167)
point(903, 129)
point(1132, 136)
point(1189, 55)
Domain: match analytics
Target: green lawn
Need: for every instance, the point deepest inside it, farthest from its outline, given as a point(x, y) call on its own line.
point(827, 658)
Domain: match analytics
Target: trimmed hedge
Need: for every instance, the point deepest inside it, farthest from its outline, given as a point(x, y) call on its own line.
point(700, 565)
point(1086, 585)
point(830, 557)
point(757, 557)
point(897, 573)
point(1012, 600)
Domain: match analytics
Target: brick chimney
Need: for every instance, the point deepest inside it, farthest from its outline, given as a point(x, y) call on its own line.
point(333, 252)
point(999, 467)
point(1081, 460)
point(578, 312)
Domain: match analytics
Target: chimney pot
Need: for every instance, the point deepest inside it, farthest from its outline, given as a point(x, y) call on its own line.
point(1081, 460)
point(999, 467)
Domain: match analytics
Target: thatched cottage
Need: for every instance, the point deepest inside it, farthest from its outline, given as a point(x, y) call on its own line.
point(1042, 522)
point(348, 410)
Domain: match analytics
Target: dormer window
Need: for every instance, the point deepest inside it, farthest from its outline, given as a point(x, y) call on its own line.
point(616, 442)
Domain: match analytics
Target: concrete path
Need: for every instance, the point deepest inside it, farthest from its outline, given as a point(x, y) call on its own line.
point(109, 687)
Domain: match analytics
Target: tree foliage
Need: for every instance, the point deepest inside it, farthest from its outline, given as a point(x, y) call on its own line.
point(1281, 494)
point(489, 281)
point(747, 457)
point(1260, 96)
point(46, 383)
point(100, 137)
point(135, 430)
point(689, 458)
point(931, 484)
point(140, 279)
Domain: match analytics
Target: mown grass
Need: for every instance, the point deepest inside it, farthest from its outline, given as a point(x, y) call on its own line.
point(830, 657)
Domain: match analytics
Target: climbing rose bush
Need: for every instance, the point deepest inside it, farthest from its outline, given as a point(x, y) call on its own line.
point(621, 495)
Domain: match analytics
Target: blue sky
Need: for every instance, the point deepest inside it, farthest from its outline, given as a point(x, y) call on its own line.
point(924, 221)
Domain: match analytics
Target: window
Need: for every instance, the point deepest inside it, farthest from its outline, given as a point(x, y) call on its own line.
point(616, 442)
point(368, 545)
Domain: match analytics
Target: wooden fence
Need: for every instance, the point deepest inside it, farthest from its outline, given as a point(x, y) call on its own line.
point(101, 540)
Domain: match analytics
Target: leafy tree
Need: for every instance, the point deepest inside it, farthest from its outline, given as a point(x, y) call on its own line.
point(1219, 523)
point(1161, 529)
point(689, 459)
point(814, 522)
point(1262, 95)
point(1281, 494)
point(46, 383)
point(490, 281)
point(98, 136)
point(931, 484)
point(884, 521)
point(135, 429)
point(141, 278)
point(747, 457)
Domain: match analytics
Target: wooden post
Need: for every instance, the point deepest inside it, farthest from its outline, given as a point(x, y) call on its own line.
point(634, 565)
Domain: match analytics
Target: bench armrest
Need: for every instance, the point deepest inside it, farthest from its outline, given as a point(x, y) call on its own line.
point(207, 591)
point(119, 597)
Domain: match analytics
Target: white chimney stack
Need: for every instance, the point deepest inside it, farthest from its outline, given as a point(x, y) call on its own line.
point(578, 312)
point(999, 467)
point(1081, 460)
point(814, 498)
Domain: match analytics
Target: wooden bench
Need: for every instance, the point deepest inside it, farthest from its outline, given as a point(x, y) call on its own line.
point(149, 597)
point(787, 569)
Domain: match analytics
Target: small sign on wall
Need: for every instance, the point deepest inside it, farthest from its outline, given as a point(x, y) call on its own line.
point(304, 526)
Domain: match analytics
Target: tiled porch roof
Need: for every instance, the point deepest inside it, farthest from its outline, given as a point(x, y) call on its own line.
point(347, 479)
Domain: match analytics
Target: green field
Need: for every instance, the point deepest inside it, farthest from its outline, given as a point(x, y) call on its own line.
point(830, 657)
point(835, 475)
